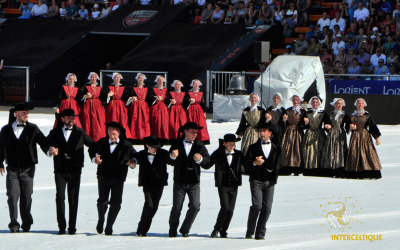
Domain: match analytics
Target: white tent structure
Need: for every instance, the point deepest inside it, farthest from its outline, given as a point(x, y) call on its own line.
point(290, 75)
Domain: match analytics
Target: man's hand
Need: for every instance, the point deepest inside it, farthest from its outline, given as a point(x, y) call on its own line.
point(174, 153)
point(131, 163)
point(134, 98)
point(353, 126)
point(259, 161)
point(173, 101)
point(2, 171)
point(197, 157)
point(111, 93)
point(285, 117)
point(268, 117)
point(378, 141)
point(306, 121)
point(53, 151)
point(192, 100)
point(328, 126)
point(98, 160)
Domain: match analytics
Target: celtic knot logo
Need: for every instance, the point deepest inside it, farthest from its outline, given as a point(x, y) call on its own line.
point(338, 213)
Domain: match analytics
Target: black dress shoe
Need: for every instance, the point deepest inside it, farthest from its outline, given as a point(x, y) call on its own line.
point(214, 233)
point(108, 231)
point(26, 230)
point(249, 236)
point(259, 237)
point(184, 234)
point(14, 229)
point(99, 227)
point(141, 234)
point(223, 234)
point(72, 231)
point(61, 232)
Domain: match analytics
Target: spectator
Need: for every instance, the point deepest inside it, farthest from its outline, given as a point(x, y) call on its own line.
point(396, 12)
point(377, 56)
point(230, 14)
point(351, 45)
point(334, 10)
point(381, 69)
point(352, 4)
point(354, 68)
point(289, 50)
point(312, 32)
point(218, 15)
point(393, 73)
point(352, 31)
point(83, 13)
point(341, 57)
point(301, 45)
point(389, 45)
point(325, 55)
point(367, 67)
point(116, 6)
point(325, 34)
point(336, 68)
point(385, 6)
point(393, 58)
point(72, 10)
point(241, 13)
point(389, 21)
point(378, 43)
point(96, 14)
point(350, 56)
point(336, 45)
point(53, 10)
point(291, 16)
point(106, 9)
point(375, 4)
point(361, 13)
point(338, 21)
point(365, 44)
point(387, 32)
point(303, 7)
point(362, 56)
point(145, 2)
point(324, 21)
point(252, 15)
point(265, 14)
point(63, 11)
point(336, 31)
point(25, 8)
point(313, 47)
point(360, 36)
point(347, 13)
point(207, 14)
point(39, 10)
point(375, 33)
point(327, 66)
point(176, 2)
point(270, 3)
point(279, 15)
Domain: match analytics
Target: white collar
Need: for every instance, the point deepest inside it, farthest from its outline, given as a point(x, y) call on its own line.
point(109, 141)
point(356, 112)
point(255, 107)
point(276, 107)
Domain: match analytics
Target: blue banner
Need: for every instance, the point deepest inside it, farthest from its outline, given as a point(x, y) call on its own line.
point(359, 87)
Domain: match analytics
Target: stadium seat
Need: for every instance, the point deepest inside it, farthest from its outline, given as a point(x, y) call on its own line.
point(289, 40)
point(301, 29)
point(277, 52)
point(315, 18)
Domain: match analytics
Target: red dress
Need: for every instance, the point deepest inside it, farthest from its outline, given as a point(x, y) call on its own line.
point(196, 114)
point(159, 115)
point(139, 115)
point(93, 116)
point(68, 101)
point(116, 110)
point(177, 114)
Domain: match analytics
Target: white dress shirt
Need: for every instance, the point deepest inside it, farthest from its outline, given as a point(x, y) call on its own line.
point(17, 130)
point(266, 148)
point(67, 133)
point(113, 146)
point(253, 108)
point(187, 146)
point(150, 157)
point(229, 156)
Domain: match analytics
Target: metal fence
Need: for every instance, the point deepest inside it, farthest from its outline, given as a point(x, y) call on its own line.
point(15, 83)
point(129, 76)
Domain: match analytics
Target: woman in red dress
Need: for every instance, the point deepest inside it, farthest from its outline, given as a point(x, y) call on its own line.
point(116, 97)
point(138, 111)
point(196, 110)
point(177, 114)
point(67, 98)
point(93, 116)
point(158, 111)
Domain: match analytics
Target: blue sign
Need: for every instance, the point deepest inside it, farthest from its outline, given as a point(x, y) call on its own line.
point(359, 87)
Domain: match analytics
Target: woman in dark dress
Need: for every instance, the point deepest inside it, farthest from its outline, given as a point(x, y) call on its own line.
point(195, 109)
point(274, 115)
point(177, 114)
point(362, 159)
point(116, 97)
point(158, 111)
point(67, 98)
point(139, 111)
point(316, 121)
point(93, 116)
point(335, 149)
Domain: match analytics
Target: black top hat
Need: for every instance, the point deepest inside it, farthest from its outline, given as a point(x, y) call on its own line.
point(152, 141)
point(22, 106)
point(267, 126)
point(68, 112)
point(117, 126)
point(230, 138)
point(191, 125)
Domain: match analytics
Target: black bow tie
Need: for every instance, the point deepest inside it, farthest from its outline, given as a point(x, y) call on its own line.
point(68, 129)
point(186, 141)
point(113, 143)
point(266, 142)
point(229, 154)
point(150, 154)
point(21, 125)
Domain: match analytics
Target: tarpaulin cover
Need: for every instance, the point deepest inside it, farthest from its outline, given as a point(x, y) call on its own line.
point(229, 107)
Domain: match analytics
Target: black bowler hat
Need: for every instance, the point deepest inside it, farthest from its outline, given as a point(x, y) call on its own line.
point(191, 125)
point(68, 112)
point(230, 138)
point(117, 126)
point(267, 126)
point(152, 141)
point(22, 107)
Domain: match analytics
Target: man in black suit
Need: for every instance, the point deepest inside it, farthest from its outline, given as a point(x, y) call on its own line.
point(228, 176)
point(153, 177)
point(112, 154)
point(66, 145)
point(188, 156)
point(18, 141)
point(262, 162)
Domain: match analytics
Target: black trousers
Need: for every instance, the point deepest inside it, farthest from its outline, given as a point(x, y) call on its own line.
point(19, 183)
point(71, 182)
point(114, 187)
point(180, 191)
point(262, 194)
point(227, 199)
point(152, 196)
